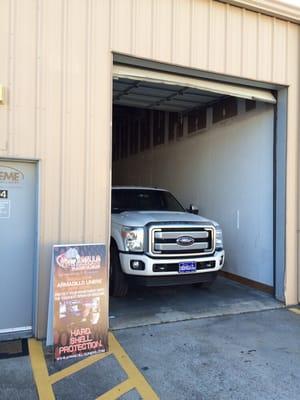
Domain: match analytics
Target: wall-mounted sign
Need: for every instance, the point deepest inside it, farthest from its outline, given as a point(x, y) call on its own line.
point(4, 208)
point(78, 306)
point(3, 194)
point(10, 176)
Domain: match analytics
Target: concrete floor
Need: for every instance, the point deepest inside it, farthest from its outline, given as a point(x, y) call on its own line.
point(228, 342)
point(147, 306)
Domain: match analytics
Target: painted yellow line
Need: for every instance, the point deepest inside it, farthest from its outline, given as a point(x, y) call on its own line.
point(44, 382)
point(40, 370)
point(72, 369)
point(133, 373)
point(295, 310)
point(118, 390)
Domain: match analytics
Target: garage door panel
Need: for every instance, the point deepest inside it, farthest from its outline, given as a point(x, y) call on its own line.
point(177, 82)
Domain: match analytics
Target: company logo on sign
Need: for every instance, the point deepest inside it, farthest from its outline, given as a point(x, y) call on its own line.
point(185, 241)
point(73, 261)
point(10, 175)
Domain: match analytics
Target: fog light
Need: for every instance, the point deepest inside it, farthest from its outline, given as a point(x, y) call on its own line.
point(137, 265)
point(221, 260)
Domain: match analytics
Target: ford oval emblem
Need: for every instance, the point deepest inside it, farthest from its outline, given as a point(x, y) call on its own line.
point(185, 241)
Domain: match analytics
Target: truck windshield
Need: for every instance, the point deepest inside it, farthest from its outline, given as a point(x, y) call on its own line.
point(143, 200)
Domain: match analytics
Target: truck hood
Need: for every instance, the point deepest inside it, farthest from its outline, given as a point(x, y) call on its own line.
point(141, 218)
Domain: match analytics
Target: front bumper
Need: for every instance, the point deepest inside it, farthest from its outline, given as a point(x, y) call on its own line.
point(171, 280)
point(125, 258)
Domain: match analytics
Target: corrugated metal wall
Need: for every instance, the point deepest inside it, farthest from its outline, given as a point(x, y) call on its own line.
point(57, 72)
point(205, 34)
point(56, 68)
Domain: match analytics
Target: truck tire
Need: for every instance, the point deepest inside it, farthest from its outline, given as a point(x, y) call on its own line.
point(118, 281)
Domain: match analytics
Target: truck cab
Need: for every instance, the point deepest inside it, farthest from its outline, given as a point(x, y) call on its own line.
point(156, 242)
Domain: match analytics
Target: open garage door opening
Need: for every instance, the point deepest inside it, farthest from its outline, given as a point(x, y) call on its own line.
point(211, 145)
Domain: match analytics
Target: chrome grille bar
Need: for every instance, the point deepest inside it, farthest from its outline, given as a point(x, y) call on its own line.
point(177, 234)
point(164, 240)
point(176, 247)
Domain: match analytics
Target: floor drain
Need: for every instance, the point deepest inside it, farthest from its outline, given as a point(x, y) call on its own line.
point(13, 348)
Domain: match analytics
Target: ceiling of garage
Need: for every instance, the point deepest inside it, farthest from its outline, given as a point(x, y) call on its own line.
point(157, 96)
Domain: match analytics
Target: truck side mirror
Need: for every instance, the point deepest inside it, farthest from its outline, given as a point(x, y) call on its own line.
point(193, 209)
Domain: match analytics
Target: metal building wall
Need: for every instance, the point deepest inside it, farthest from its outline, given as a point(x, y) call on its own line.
point(56, 68)
point(57, 71)
point(207, 35)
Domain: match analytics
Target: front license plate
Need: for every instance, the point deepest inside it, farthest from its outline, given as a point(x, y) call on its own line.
point(190, 266)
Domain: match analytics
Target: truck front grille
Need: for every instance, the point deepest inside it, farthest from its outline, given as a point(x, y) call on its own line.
point(172, 241)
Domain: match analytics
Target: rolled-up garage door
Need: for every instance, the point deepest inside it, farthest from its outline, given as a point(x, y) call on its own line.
point(226, 89)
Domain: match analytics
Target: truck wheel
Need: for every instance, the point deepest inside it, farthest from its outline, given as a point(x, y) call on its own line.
point(118, 281)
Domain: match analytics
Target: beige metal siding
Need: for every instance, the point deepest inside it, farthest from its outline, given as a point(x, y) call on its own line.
point(265, 27)
point(56, 68)
point(162, 30)
point(4, 71)
point(249, 45)
point(18, 73)
point(57, 72)
point(200, 16)
point(292, 193)
point(203, 34)
point(217, 37)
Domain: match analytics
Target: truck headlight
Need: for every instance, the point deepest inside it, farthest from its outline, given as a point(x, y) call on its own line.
point(219, 238)
point(133, 238)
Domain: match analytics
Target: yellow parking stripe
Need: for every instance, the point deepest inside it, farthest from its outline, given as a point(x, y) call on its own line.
point(133, 373)
point(44, 382)
point(118, 390)
point(72, 369)
point(295, 310)
point(40, 370)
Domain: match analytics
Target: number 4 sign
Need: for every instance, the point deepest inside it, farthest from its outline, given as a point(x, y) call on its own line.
point(3, 194)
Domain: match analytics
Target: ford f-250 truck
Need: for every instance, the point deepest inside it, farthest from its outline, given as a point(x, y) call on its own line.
point(156, 242)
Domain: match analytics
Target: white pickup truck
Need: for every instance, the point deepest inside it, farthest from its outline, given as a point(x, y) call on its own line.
point(156, 242)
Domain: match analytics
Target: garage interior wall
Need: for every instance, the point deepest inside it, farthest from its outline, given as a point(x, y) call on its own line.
point(227, 171)
point(56, 72)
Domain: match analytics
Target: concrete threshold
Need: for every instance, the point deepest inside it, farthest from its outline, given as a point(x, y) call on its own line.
point(177, 317)
point(155, 306)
